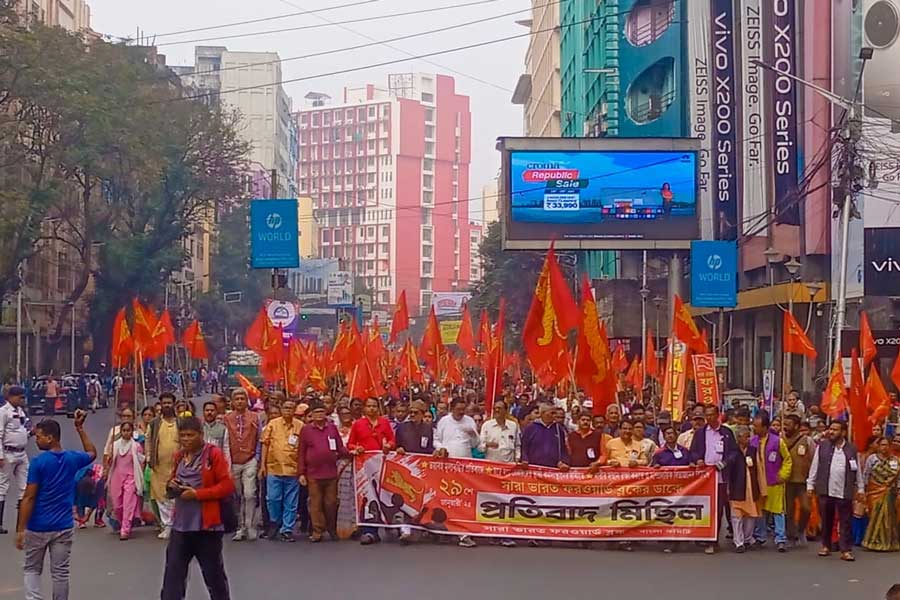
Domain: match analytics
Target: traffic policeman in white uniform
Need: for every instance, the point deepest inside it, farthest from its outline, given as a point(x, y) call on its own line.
point(13, 440)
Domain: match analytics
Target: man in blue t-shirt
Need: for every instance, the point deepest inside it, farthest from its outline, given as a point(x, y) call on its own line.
point(45, 516)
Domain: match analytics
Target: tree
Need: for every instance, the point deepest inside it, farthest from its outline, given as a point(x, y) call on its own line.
point(508, 274)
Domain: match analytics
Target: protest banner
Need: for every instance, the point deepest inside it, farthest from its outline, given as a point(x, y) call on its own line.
point(706, 384)
point(484, 498)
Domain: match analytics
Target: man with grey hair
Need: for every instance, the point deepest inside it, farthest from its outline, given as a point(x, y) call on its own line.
point(243, 429)
point(544, 441)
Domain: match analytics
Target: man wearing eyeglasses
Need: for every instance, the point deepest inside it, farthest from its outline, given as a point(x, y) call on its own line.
point(13, 440)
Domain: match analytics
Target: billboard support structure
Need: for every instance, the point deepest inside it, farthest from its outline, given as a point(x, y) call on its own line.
point(600, 193)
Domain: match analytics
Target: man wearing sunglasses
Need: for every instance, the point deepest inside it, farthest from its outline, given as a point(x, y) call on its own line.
point(13, 440)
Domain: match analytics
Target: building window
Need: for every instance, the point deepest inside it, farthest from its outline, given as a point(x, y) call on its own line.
point(429, 148)
point(386, 231)
point(428, 98)
point(426, 234)
point(326, 236)
point(428, 198)
point(429, 115)
point(426, 268)
point(428, 181)
point(429, 132)
point(426, 251)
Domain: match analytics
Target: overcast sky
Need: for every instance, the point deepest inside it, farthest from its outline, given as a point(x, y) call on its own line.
point(497, 65)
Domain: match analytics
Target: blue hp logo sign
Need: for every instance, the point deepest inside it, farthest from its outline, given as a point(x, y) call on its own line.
point(273, 220)
point(714, 262)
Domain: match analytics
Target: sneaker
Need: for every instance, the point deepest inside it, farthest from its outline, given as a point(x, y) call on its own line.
point(709, 550)
point(252, 535)
point(466, 542)
point(758, 544)
point(667, 549)
point(270, 533)
point(781, 547)
point(533, 543)
point(287, 536)
point(367, 539)
point(124, 537)
point(741, 549)
point(802, 541)
point(404, 539)
point(165, 533)
point(626, 547)
point(239, 536)
point(508, 543)
point(315, 538)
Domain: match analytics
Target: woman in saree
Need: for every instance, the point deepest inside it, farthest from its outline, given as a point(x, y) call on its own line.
point(881, 473)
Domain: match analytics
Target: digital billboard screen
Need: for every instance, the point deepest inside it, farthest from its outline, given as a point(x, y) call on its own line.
point(605, 198)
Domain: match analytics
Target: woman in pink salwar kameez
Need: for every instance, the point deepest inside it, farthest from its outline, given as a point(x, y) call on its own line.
point(126, 479)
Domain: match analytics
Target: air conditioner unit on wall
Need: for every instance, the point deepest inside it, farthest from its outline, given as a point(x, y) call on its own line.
point(881, 32)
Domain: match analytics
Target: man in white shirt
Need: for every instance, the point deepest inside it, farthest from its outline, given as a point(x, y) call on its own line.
point(455, 437)
point(13, 441)
point(834, 477)
point(500, 439)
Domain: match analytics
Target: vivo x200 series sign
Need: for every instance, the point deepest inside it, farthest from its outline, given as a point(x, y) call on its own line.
point(714, 274)
point(724, 147)
point(274, 234)
point(782, 56)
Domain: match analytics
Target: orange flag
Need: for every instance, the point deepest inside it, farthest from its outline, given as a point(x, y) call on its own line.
point(620, 359)
point(651, 362)
point(263, 337)
point(795, 339)
point(296, 368)
point(484, 330)
point(375, 348)
point(634, 376)
point(552, 314)
point(122, 344)
point(452, 371)
point(144, 324)
point(364, 381)
point(432, 347)
point(834, 397)
point(866, 340)
point(194, 342)
point(465, 338)
point(493, 372)
point(877, 400)
point(400, 322)
point(162, 337)
point(410, 371)
point(593, 370)
point(248, 386)
point(685, 329)
point(862, 429)
point(895, 372)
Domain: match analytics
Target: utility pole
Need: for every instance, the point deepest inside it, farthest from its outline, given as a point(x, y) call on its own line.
point(19, 329)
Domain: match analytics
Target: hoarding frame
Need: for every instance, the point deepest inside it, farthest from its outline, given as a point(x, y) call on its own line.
point(508, 145)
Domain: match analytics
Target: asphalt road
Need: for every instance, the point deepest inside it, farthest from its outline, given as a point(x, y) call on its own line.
point(103, 567)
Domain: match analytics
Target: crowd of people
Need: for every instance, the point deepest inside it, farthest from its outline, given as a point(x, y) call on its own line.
point(277, 467)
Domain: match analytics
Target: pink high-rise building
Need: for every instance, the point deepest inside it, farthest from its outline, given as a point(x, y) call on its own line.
point(388, 171)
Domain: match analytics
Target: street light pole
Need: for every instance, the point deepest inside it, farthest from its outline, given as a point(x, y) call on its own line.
point(72, 341)
point(645, 293)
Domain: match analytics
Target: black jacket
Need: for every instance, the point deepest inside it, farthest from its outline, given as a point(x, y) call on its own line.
point(737, 475)
point(729, 450)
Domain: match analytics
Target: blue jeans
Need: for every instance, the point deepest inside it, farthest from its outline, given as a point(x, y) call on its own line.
point(761, 531)
point(281, 498)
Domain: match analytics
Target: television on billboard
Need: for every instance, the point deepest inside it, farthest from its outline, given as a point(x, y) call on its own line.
point(600, 193)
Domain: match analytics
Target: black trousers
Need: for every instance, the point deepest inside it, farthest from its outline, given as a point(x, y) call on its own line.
point(206, 547)
point(829, 508)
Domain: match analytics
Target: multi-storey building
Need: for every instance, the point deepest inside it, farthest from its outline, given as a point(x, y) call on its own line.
point(71, 15)
point(538, 88)
point(388, 171)
point(250, 82)
point(490, 203)
point(476, 234)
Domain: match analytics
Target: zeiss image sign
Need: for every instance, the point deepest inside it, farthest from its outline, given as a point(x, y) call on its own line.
point(274, 234)
point(714, 274)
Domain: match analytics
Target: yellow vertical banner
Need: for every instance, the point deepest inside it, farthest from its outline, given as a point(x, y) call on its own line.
point(449, 331)
point(675, 380)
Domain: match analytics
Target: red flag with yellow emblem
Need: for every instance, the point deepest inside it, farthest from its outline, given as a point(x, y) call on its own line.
point(834, 397)
point(122, 343)
point(795, 338)
point(685, 329)
point(593, 370)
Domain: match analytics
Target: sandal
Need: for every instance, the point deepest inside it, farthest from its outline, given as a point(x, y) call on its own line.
point(848, 556)
point(824, 552)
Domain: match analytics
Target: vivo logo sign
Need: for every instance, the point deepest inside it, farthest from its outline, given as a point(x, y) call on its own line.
point(888, 265)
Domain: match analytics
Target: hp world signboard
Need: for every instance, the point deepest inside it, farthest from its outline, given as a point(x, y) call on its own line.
point(274, 234)
point(714, 274)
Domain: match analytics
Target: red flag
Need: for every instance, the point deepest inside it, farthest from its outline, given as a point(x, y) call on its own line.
point(432, 347)
point(862, 429)
point(296, 368)
point(144, 324)
point(685, 329)
point(400, 322)
point(465, 338)
point(493, 373)
point(795, 339)
point(866, 340)
point(452, 371)
point(552, 314)
point(162, 337)
point(834, 397)
point(635, 377)
point(122, 344)
point(877, 400)
point(364, 381)
point(375, 348)
point(263, 337)
point(410, 371)
point(651, 361)
point(484, 331)
point(593, 370)
point(194, 342)
point(248, 386)
point(620, 359)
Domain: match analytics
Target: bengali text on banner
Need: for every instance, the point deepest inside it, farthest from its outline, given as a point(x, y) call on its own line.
point(483, 498)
